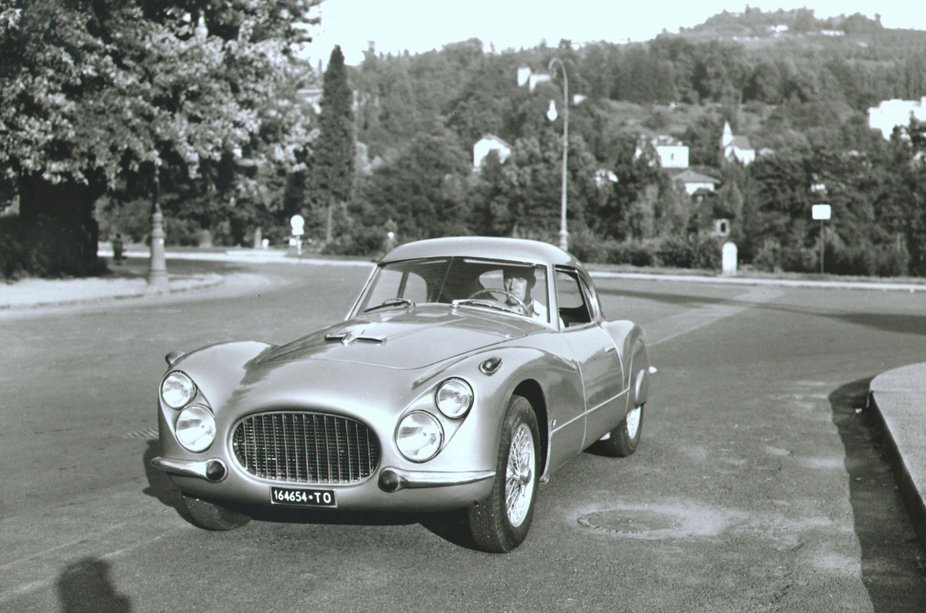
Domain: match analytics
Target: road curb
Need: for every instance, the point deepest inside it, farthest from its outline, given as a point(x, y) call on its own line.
point(894, 414)
point(177, 284)
point(731, 280)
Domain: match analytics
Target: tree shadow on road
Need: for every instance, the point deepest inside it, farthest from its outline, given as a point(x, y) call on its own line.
point(891, 555)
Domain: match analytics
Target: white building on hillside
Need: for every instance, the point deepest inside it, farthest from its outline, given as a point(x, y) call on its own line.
point(736, 147)
point(895, 112)
point(671, 152)
point(488, 143)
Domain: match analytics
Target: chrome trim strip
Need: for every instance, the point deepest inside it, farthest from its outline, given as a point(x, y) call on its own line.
point(612, 399)
point(187, 468)
point(592, 410)
point(409, 479)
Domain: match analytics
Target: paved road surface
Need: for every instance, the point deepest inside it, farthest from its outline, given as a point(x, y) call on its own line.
point(758, 485)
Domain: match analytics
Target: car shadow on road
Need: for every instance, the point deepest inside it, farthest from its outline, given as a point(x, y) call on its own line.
point(450, 525)
point(892, 559)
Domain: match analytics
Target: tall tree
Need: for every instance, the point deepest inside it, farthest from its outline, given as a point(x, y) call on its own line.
point(97, 92)
point(335, 148)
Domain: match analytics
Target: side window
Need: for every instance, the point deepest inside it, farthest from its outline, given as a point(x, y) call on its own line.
point(573, 307)
point(591, 299)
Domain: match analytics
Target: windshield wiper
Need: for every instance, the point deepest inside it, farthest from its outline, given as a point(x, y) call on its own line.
point(392, 302)
point(489, 304)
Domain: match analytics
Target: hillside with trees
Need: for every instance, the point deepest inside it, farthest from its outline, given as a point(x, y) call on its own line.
point(254, 152)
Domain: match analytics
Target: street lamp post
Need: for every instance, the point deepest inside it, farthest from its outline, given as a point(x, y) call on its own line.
point(157, 271)
point(563, 233)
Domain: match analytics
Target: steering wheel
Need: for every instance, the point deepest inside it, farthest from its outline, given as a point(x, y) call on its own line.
point(521, 307)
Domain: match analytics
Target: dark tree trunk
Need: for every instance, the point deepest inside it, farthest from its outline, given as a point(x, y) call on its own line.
point(58, 230)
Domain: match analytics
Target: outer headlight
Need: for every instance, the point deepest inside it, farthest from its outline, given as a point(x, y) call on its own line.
point(177, 390)
point(419, 436)
point(196, 428)
point(454, 398)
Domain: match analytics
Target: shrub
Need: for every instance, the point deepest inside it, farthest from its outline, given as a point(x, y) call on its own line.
point(46, 247)
point(675, 252)
point(634, 253)
point(360, 241)
point(708, 253)
point(587, 247)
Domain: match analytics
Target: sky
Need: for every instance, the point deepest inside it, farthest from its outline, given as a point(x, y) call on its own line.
point(423, 25)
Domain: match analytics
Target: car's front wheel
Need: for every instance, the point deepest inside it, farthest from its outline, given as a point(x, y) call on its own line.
point(501, 522)
point(213, 516)
point(625, 438)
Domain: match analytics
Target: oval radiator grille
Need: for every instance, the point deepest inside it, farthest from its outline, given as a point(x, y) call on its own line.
point(300, 447)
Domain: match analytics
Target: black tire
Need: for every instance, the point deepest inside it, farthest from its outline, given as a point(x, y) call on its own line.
point(496, 527)
point(213, 516)
point(625, 438)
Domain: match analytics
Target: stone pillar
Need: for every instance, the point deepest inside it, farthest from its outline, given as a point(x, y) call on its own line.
point(729, 253)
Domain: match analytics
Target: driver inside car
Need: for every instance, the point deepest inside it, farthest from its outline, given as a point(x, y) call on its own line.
point(520, 282)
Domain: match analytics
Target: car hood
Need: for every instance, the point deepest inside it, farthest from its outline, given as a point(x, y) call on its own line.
point(402, 338)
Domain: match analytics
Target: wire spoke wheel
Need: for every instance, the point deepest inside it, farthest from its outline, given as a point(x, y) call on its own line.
point(501, 522)
point(519, 484)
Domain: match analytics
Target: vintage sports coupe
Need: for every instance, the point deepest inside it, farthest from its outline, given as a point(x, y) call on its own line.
point(467, 371)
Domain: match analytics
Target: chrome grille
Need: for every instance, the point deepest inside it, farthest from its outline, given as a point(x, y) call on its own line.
point(305, 448)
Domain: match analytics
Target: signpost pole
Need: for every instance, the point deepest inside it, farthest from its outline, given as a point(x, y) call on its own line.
point(822, 245)
point(821, 212)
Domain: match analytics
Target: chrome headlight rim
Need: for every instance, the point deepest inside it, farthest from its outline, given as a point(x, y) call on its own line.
point(454, 398)
point(195, 428)
point(175, 382)
point(418, 420)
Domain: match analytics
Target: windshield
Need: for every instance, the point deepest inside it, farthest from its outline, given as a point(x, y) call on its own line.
point(511, 286)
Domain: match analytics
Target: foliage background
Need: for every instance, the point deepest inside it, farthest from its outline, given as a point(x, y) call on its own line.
point(106, 103)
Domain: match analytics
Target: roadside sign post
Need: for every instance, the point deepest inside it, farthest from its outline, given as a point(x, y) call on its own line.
point(821, 212)
point(298, 225)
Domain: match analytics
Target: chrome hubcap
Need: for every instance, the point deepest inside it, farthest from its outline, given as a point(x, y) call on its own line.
point(519, 481)
point(633, 422)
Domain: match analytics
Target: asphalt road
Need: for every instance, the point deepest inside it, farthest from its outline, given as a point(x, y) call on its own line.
point(758, 485)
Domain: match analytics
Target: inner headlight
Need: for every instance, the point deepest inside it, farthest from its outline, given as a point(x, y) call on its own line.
point(177, 390)
point(419, 436)
point(454, 398)
point(195, 428)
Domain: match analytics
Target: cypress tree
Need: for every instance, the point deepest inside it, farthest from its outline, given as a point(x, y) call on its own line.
point(335, 147)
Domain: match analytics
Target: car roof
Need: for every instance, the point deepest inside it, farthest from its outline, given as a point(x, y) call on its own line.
point(517, 249)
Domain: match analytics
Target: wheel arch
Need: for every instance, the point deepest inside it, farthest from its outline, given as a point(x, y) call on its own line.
point(639, 375)
point(533, 392)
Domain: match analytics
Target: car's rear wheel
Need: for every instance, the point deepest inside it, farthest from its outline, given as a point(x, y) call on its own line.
point(623, 440)
point(501, 522)
point(213, 516)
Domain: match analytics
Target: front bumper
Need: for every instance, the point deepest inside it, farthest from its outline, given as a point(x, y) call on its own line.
point(391, 488)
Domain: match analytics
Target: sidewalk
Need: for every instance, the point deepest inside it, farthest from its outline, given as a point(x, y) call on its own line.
point(898, 398)
point(129, 282)
point(42, 292)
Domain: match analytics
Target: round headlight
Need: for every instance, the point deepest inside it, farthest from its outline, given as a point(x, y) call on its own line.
point(196, 428)
point(454, 398)
point(419, 436)
point(177, 390)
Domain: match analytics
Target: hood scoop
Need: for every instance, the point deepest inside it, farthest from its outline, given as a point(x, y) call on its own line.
point(346, 337)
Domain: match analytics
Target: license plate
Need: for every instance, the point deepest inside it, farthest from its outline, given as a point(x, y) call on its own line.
point(302, 498)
